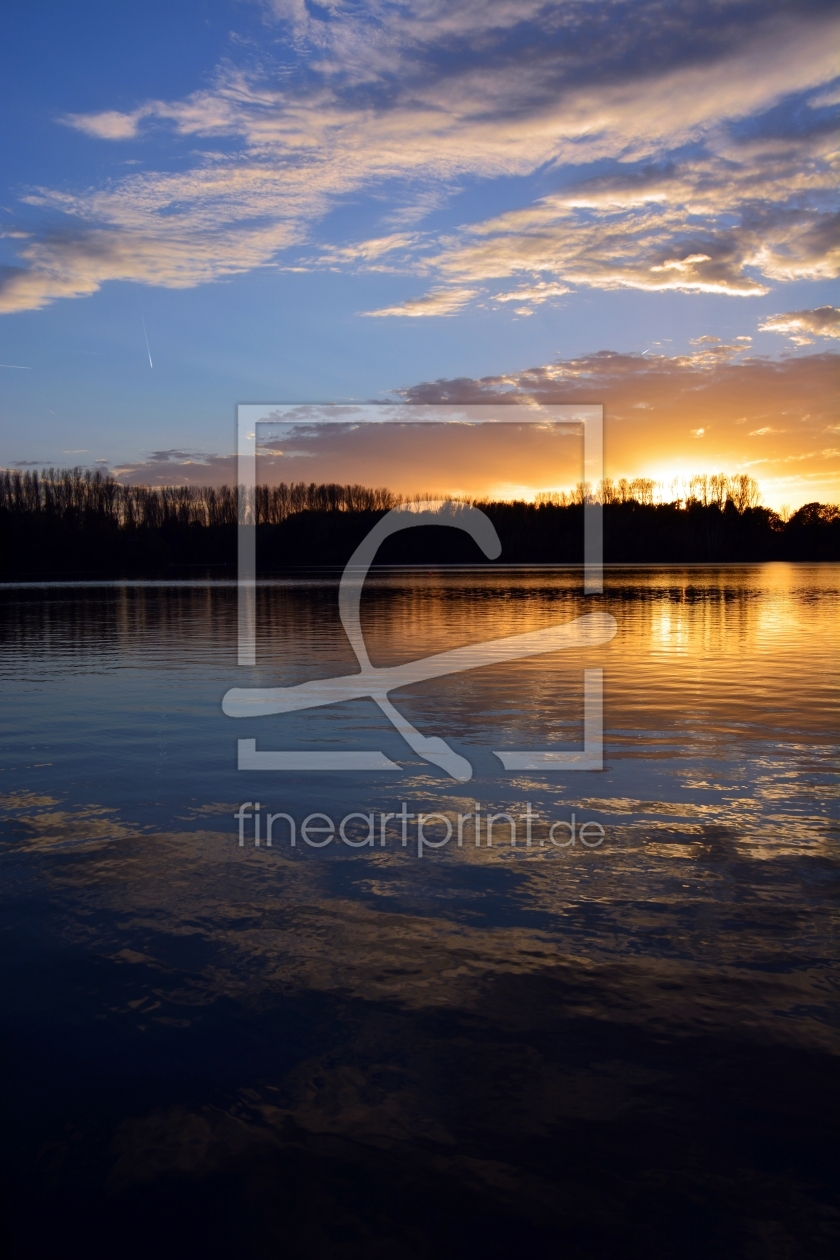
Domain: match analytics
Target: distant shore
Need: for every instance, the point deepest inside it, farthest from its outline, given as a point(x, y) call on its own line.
point(85, 526)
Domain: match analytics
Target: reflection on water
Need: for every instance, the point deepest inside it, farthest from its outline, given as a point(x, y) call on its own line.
point(629, 1049)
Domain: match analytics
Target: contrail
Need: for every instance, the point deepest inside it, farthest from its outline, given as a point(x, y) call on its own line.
point(146, 335)
point(18, 367)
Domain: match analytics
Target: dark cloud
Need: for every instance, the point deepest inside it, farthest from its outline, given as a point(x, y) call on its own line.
point(563, 45)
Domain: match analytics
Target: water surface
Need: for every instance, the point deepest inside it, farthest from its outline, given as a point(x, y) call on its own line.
point(626, 1049)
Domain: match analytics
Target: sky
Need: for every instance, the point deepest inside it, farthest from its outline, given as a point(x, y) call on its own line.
point(626, 202)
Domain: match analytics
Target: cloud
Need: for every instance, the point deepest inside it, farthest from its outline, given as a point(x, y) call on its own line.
point(109, 125)
point(370, 254)
point(535, 293)
point(715, 125)
point(702, 224)
point(803, 326)
point(76, 263)
point(436, 302)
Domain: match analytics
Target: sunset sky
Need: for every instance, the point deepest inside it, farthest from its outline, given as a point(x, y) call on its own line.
point(627, 203)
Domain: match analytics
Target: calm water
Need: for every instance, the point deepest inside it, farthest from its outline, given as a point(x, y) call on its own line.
point(625, 1050)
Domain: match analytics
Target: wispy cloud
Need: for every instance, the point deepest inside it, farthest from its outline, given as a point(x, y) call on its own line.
point(536, 294)
point(712, 188)
point(436, 302)
point(376, 254)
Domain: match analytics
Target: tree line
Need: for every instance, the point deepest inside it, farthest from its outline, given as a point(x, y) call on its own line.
point(78, 493)
point(81, 492)
point(74, 522)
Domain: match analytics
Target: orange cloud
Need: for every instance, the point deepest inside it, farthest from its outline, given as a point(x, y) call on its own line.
point(711, 411)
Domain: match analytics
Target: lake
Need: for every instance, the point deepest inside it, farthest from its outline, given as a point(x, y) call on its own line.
point(626, 1046)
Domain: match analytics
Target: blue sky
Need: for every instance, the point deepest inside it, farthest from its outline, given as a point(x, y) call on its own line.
point(319, 203)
